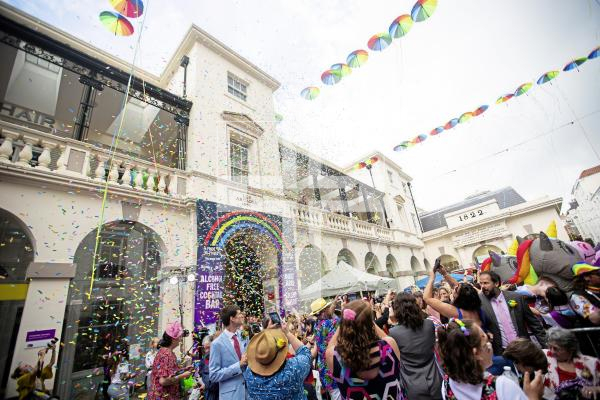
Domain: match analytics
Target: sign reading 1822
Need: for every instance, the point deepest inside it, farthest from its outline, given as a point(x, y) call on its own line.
point(470, 215)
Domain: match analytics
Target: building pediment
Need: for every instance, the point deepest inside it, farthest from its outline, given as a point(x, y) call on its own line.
point(243, 123)
point(399, 199)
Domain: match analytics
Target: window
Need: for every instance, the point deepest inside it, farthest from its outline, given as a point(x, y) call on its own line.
point(236, 87)
point(238, 155)
point(391, 177)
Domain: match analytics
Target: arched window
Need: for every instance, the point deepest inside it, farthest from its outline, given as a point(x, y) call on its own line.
point(346, 256)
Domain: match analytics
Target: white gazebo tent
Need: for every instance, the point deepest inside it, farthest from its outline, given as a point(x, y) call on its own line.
point(343, 278)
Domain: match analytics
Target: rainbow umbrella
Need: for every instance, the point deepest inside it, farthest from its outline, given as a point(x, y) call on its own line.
point(310, 93)
point(400, 26)
point(451, 124)
point(403, 146)
point(379, 41)
point(436, 131)
point(366, 163)
point(117, 24)
point(423, 10)
point(574, 64)
point(357, 58)
point(505, 98)
point(343, 68)
point(594, 53)
point(419, 139)
point(465, 117)
point(480, 110)
point(524, 88)
point(331, 76)
point(128, 8)
point(547, 77)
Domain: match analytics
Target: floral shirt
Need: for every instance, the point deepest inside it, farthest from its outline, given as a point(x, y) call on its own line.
point(324, 331)
point(587, 368)
point(286, 384)
point(164, 366)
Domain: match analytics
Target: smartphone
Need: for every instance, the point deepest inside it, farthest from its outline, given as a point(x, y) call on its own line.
point(275, 318)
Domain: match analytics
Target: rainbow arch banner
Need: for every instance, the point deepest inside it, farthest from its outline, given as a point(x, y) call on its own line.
point(216, 225)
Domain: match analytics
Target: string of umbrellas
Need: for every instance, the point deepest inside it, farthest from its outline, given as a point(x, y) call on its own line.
point(117, 22)
point(400, 26)
point(521, 90)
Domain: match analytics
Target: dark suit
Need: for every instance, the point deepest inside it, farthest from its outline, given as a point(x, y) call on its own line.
point(521, 316)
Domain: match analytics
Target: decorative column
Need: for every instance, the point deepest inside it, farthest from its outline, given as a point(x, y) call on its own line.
point(151, 180)
point(126, 179)
point(6, 149)
point(113, 173)
point(172, 185)
point(44, 158)
point(100, 171)
point(316, 189)
point(139, 178)
point(61, 163)
point(26, 153)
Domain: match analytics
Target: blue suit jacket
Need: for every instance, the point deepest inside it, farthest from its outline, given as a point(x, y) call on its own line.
point(224, 368)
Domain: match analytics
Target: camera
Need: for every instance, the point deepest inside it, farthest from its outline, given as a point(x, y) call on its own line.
point(185, 333)
point(52, 342)
point(255, 328)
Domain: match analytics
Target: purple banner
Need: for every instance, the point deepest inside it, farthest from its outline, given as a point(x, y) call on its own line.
point(209, 285)
point(34, 336)
point(289, 283)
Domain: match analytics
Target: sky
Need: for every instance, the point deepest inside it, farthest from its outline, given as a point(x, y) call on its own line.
point(467, 54)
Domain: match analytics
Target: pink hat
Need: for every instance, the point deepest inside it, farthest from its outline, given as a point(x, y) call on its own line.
point(174, 330)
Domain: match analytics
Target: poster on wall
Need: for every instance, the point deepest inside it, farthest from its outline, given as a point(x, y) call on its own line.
point(219, 224)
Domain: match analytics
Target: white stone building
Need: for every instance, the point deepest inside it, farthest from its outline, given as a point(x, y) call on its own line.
point(584, 211)
point(197, 171)
point(463, 233)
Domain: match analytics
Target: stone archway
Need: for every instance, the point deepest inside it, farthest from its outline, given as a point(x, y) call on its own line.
point(391, 265)
point(415, 265)
point(427, 264)
point(251, 272)
point(122, 310)
point(312, 265)
point(16, 253)
point(450, 262)
point(347, 256)
point(482, 252)
point(372, 264)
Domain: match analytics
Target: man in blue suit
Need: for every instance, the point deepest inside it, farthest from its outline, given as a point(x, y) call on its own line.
point(228, 356)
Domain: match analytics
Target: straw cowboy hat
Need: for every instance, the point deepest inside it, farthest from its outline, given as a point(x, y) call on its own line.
point(318, 305)
point(267, 352)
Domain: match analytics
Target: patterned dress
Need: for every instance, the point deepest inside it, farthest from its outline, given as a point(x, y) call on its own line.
point(385, 386)
point(488, 392)
point(164, 366)
point(324, 331)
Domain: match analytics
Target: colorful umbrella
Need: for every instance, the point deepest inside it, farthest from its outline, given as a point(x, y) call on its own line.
point(436, 131)
point(343, 68)
point(574, 64)
point(465, 117)
point(403, 146)
point(480, 110)
point(547, 77)
point(423, 10)
point(310, 93)
point(505, 98)
point(524, 88)
point(128, 8)
point(400, 26)
point(379, 41)
point(419, 139)
point(117, 24)
point(594, 53)
point(331, 76)
point(366, 163)
point(451, 124)
point(357, 58)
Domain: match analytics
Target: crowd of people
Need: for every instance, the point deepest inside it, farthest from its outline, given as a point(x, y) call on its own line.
point(468, 340)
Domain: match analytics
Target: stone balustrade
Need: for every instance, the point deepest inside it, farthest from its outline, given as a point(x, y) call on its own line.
point(328, 221)
point(39, 151)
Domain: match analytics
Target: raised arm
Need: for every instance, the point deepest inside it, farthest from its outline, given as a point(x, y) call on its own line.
point(447, 310)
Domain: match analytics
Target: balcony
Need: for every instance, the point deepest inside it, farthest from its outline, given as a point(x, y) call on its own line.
point(43, 155)
point(315, 218)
